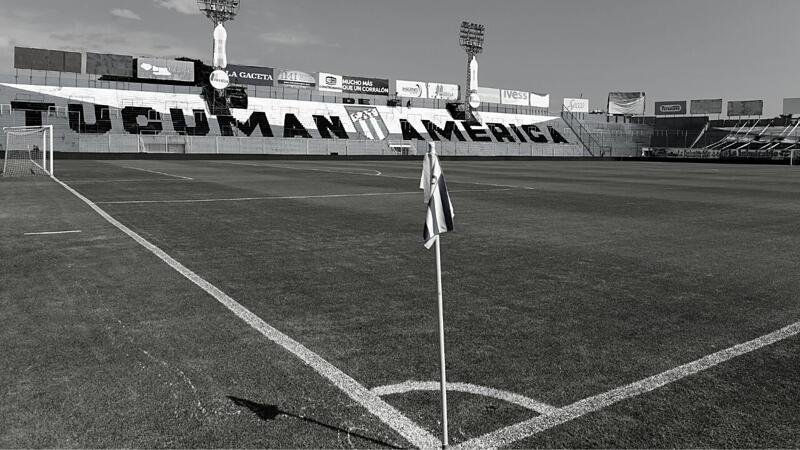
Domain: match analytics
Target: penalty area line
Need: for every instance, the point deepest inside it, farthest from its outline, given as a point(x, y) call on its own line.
point(528, 428)
point(159, 173)
point(288, 197)
point(44, 233)
point(389, 415)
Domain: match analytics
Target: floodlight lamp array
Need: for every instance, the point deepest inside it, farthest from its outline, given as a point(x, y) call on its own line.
point(219, 11)
point(471, 37)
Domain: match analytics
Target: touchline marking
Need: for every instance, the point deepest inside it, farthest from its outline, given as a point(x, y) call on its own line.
point(41, 233)
point(389, 415)
point(528, 428)
point(290, 197)
point(160, 173)
point(510, 397)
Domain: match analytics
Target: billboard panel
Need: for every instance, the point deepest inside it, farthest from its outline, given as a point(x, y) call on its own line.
point(673, 108)
point(73, 62)
point(707, 106)
point(411, 89)
point(509, 97)
point(43, 59)
point(791, 106)
point(164, 69)
point(746, 108)
point(31, 58)
point(442, 91)
point(540, 100)
point(107, 64)
point(295, 78)
point(626, 103)
point(251, 75)
point(366, 86)
point(489, 95)
point(329, 82)
point(576, 105)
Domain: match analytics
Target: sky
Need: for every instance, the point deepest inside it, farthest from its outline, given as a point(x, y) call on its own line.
point(670, 49)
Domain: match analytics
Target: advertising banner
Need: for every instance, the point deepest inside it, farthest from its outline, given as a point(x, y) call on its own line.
point(164, 69)
point(746, 108)
point(43, 59)
point(791, 106)
point(576, 105)
point(509, 97)
point(626, 103)
point(107, 64)
point(295, 78)
point(329, 82)
point(540, 100)
point(489, 95)
point(72, 62)
point(366, 86)
point(442, 91)
point(252, 75)
point(675, 108)
point(411, 89)
point(707, 106)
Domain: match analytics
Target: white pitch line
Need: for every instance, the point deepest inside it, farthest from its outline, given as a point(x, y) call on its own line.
point(160, 173)
point(506, 396)
point(41, 233)
point(290, 197)
point(376, 174)
point(382, 175)
point(413, 433)
point(528, 428)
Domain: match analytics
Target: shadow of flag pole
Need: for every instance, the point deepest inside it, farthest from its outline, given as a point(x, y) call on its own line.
point(439, 219)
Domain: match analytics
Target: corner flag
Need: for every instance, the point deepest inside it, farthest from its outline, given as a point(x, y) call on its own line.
point(440, 209)
point(439, 220)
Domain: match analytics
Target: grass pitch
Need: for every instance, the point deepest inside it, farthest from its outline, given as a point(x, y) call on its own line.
point(563, 280)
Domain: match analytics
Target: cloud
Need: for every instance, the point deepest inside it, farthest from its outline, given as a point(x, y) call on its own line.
point(125, 14)
point(182, 6)
point(295, 39)
point(5, 42)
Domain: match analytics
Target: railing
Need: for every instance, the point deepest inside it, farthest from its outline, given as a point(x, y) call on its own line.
point(586, 138)
point(222, 145)
point(278, 92)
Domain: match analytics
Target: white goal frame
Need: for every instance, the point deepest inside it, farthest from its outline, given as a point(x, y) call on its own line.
point(47, 146)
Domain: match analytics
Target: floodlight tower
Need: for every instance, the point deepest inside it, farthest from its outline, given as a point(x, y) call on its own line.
point(471, 40)
point(219, 12)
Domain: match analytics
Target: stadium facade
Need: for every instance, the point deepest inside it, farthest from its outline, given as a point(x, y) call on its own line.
point(100, 103)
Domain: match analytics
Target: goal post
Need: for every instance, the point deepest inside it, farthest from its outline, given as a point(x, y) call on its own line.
point(28, 151)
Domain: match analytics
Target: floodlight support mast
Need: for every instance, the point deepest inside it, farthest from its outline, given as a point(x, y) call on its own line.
point(219, 11)
point(471, 39)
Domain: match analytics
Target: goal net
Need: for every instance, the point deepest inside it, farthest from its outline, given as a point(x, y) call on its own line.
point(28, 151)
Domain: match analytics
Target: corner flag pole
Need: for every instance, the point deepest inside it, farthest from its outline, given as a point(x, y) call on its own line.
point(438, 220)
point(443, 370)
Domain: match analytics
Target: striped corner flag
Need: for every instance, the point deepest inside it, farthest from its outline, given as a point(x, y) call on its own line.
point(440, 209)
